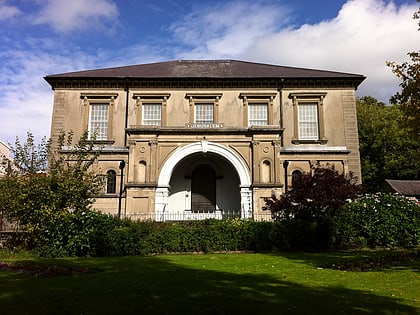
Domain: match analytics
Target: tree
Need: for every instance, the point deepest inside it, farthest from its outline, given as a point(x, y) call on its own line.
point(387, 148)
point(29, 157)
point(315, 196)
point(409, 97)
point(40, 198)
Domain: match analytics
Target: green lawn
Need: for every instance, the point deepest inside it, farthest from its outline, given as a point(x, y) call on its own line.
point(298, 283)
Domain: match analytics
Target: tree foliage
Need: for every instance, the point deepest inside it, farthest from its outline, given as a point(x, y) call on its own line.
point(315, 196)
point(37, 197)
point(409, 97)
point(387, 148)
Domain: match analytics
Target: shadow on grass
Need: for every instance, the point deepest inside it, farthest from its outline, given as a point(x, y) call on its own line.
point(155, 285)
point(382, 260)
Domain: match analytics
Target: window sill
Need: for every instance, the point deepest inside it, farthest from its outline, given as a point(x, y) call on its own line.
point(107, 195)
point(320, 141)
point(104, 142)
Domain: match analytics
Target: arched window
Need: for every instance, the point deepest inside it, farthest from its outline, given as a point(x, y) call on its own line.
point(111, 182)
point(295, 176)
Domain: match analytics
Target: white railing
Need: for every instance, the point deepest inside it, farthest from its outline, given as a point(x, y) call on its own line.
point(189, 215)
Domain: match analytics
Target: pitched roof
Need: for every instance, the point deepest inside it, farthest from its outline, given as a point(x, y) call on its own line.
point(206, 69)
point(405, 187)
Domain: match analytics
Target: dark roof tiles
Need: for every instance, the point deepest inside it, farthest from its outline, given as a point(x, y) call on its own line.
point(205, 69)
point(405, 187)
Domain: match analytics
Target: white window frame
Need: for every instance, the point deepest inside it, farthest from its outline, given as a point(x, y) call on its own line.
point(98, 121)
point(90, 102)
point(308, 121)
point(152, 114)
point(151, 99)
point(256, 117)
point(316, 100)
point(204, 113)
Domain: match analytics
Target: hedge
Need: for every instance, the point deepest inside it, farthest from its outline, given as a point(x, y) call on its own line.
point(381, 220)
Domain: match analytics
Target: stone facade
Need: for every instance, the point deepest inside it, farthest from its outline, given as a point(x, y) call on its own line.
point(205, 137)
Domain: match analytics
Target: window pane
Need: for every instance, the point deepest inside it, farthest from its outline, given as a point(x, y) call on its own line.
point(308, 121)
point(98, 125)
point(152, 114)
point(111, 182)
point(258, 114)
point(203, 113)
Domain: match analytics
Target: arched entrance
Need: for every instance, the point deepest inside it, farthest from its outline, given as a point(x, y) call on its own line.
point(180, 173)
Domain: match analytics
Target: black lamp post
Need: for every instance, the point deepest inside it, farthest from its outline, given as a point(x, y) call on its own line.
point(285, 165)
point(122, 165)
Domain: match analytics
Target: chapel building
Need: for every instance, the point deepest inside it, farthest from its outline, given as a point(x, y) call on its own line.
point(192, 139)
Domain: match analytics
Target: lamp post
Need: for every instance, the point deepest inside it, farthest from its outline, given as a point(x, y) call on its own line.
point(285, 165)
point(121, 166)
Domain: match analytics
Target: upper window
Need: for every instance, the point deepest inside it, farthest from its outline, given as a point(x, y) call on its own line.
point(152, 114)
point(258, 108)
point(308, 117)
point(151, 108)
point(258, 114)
point(204, 109)
point(308, 121)
point(98, 114)
point(98, 121)
point(204, 113)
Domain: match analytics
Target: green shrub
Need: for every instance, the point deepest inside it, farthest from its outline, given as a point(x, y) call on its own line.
point(380, 220)
point(79, 233)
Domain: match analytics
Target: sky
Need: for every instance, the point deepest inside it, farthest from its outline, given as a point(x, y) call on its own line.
point(42, 37)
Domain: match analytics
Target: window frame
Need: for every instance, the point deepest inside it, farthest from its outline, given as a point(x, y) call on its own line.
point(302, 99)
point(249, 99)
point(308, 121)
point(98, 121)
point(195, 99)
point(147, 119)
point(253, 105)
point(143, 99)
point(89, 100)
point(205, 111)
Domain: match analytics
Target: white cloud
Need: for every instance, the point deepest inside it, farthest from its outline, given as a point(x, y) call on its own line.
point(8, 12)
point(363, 36)
point(226, 29)
point(66, 16)
point(28, 98)
point(360, 39)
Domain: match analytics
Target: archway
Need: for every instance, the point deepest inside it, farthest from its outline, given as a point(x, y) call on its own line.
point(204, 147)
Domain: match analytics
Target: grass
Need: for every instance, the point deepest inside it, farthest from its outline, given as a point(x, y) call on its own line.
point(292, 283)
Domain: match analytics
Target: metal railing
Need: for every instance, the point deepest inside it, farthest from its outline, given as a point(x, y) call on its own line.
point(189, 215)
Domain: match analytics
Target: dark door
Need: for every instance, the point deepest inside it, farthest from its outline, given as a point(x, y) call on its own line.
point(203, 189)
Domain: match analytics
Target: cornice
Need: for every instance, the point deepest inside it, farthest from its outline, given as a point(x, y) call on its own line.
point(208, 83)
point(139, 130)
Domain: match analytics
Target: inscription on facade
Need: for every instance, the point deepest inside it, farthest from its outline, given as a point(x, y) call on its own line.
point(204, 125)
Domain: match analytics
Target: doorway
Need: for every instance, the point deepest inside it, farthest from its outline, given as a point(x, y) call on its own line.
point(203, 189)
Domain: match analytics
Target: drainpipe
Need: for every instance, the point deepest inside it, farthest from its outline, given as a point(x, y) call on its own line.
point(127, 92)
point(281, 111)
point(285, 165)
point(121, 166)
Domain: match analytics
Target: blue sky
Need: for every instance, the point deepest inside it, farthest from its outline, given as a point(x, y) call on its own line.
point(41, 37)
